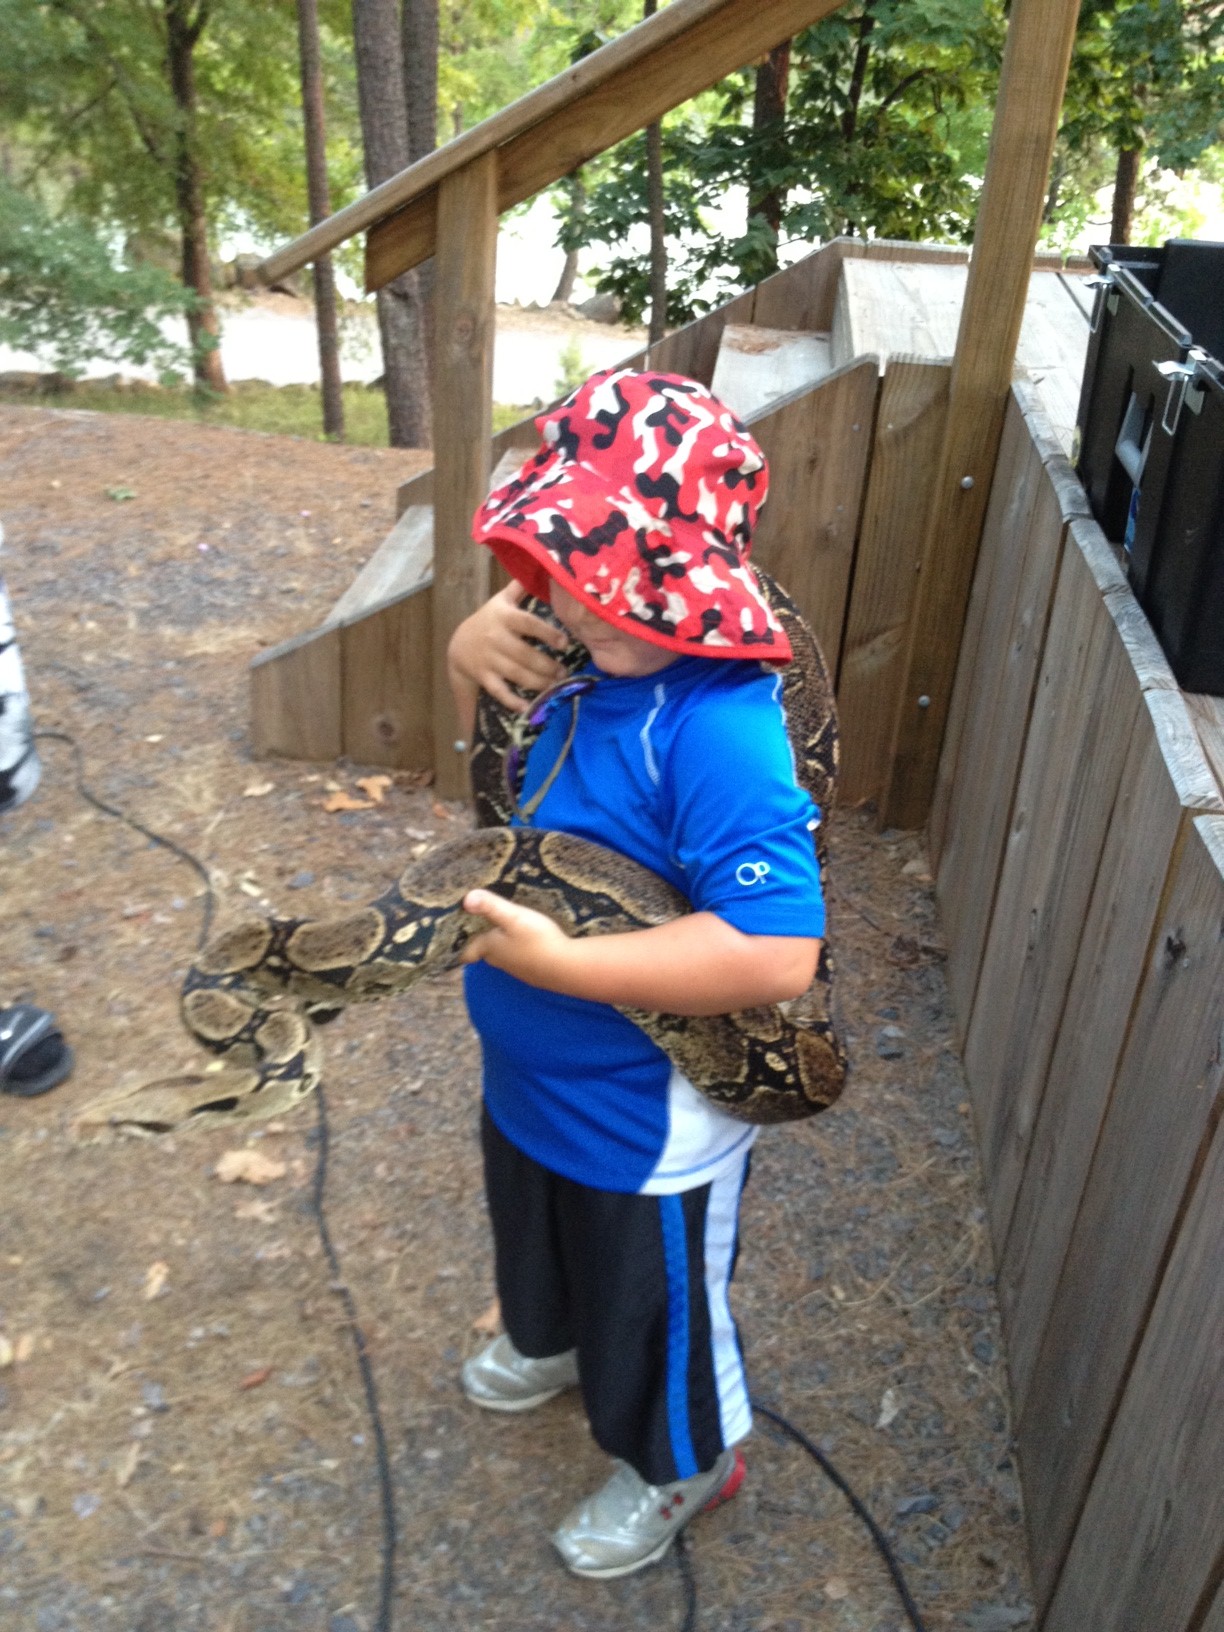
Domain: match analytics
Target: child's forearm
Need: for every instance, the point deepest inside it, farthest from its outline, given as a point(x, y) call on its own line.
point(695, 965)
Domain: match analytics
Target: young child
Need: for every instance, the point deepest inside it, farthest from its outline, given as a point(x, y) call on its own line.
point(613, 1185)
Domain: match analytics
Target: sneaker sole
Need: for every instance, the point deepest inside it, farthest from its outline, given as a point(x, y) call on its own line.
point(528, 1404)
point(725, 1493)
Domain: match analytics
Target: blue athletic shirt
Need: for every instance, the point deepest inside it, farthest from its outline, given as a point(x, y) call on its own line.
point(689, 772)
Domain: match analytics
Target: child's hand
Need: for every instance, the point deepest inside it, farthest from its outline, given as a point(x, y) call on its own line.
point(524, 943)
point(492, 649)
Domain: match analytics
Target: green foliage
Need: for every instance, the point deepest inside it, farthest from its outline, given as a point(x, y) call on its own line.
point(572, 368)
point(64, 297)
point(1146, 76)
point(885, 136)
point(90, 118)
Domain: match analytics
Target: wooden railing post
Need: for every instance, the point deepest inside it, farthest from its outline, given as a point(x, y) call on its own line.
point(465, 313)
point(1035, 61)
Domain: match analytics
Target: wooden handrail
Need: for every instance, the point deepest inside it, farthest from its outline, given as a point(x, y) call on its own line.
point(600, 100)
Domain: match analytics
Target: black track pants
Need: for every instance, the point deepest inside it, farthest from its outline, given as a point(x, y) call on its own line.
point(638, 1285)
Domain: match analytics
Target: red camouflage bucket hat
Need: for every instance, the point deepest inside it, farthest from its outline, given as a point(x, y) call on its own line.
point(641, 504)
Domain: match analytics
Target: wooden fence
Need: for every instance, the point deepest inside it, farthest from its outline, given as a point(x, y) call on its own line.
point(1078, 839)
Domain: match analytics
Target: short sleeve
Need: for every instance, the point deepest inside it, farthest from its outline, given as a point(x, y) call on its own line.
point(741, 828)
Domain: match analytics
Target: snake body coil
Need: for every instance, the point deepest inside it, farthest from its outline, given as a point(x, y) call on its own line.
point(250, 993)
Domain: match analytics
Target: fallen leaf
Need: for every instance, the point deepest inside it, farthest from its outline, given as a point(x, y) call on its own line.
point(255, 1379)
point(156, 1277)
point(488, 1323)
point(345, 801)
point(263, 1212)
point(23, 1348)
point(257, 790)
point(374, 786)
point(249, 1167)
point(441, 812)
point(126, 1468)
point(6, 1353)
point(890, 1408)
point(836, 1588)
point(217, 1528)
point(120, 493)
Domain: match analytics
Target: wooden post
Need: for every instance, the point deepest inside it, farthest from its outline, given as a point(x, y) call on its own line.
point(1039, 39)
point(463, 407)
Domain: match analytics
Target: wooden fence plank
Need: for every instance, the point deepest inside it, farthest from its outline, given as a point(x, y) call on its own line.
point(693, 350)
point(1024, 541)
point(1162, 1111)
point(1015, 454)
point(295, 698)
point(801, 296)
point(1208, 716)
point(462, 408)
point(1149, 1540)
point(1144, 836)
point(817, 445)
point(1086, 701)
point(388, 681)
point(909, 427)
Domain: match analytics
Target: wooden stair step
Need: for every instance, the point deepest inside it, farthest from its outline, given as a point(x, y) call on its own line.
point(403, 562)
point(912, 309)
point(757, 366)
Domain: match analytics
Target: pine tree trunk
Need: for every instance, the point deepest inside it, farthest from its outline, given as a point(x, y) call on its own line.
point(1126, 182)
point(565, 283)
point(384, 131)
point(182, 32)
point(858, 79)
point(320, 208)
point(769, 113)
point(420, 40)
point(658, 227)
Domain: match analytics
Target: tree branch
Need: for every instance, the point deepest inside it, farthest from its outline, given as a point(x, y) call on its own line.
point(899, 90)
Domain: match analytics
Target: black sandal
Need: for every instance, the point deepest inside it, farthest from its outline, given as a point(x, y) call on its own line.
point(34, 1057)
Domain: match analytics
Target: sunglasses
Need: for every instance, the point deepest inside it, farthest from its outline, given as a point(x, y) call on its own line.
point(527, 727)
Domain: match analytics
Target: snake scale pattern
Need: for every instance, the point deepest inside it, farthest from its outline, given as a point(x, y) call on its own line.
point(251, 992)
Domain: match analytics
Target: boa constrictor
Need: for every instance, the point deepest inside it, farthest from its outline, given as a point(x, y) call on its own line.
point(251, 992)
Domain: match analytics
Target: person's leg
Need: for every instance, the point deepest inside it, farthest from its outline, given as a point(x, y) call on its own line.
point(534, 1359)
point(659, 1358)
point(662, 1372)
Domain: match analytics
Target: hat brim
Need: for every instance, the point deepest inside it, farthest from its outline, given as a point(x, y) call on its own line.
point(673, 584)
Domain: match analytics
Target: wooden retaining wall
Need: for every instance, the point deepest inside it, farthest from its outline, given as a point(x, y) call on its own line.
point(1078, 840)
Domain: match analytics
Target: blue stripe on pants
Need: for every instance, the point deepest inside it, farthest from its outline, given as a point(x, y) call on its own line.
point(675, 1258)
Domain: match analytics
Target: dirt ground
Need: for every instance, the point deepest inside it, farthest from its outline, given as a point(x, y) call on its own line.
point(183, 1438)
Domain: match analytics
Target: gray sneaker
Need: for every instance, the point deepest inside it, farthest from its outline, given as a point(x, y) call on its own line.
point(499, 1378)
point(629, 1524)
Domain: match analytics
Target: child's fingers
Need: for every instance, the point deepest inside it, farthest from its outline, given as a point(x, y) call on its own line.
point(484, 904)
point(533, 627)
